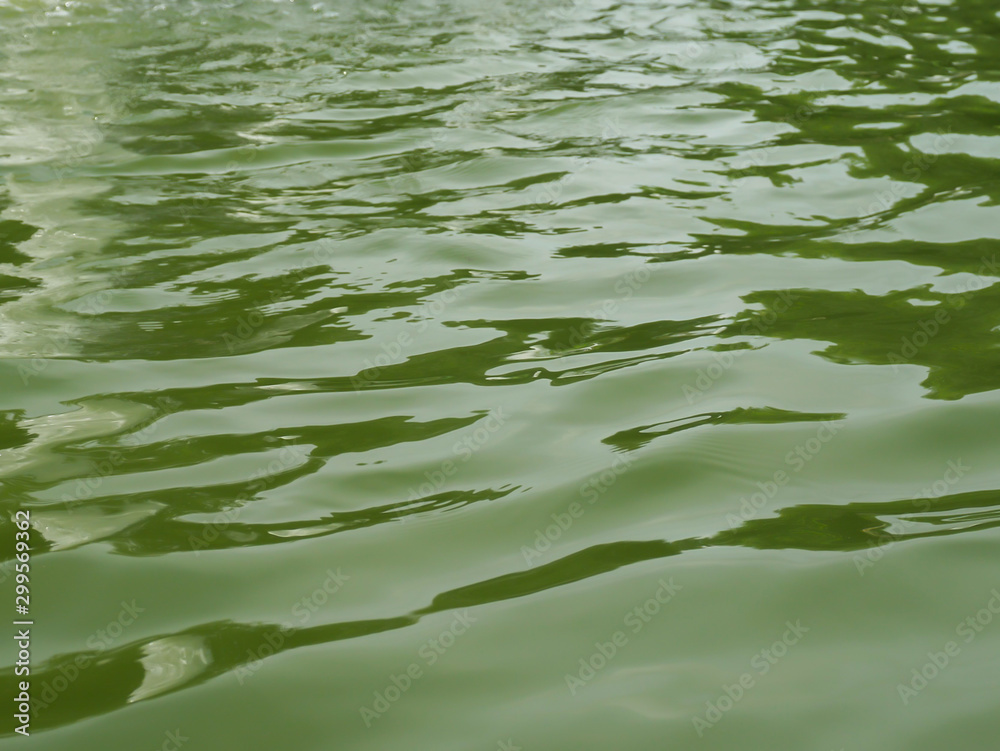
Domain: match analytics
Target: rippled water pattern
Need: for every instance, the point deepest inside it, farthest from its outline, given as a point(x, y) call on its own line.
point(543, 376)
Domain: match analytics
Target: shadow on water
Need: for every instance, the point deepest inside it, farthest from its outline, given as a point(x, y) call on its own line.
point(219, 204)
point(954, 335)
point(636, 438)
point(84, 684)
point(152, 522)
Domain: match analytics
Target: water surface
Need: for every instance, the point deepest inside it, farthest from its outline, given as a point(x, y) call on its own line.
point(453, 375)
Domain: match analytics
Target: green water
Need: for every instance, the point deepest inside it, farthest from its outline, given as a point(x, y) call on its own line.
point(542, 376)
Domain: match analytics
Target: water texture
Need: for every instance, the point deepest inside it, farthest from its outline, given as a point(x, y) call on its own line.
point(547, 376)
